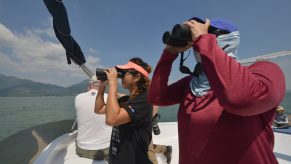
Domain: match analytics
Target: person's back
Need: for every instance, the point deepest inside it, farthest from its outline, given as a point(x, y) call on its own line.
point(93, 133)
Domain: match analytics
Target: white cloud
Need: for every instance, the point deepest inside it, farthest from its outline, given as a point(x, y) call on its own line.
point(35, 53)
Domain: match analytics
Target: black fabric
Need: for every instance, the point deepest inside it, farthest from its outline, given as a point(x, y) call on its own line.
point(182, 68)
point(198, 69)
point(129, 142)
point(63, 32)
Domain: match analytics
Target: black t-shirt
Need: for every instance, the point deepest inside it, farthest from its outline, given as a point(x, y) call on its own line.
point(129, 142)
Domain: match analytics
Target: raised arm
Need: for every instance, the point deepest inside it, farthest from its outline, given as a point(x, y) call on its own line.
point(241, 90)
point(115, 115)
point(160, 93)
point(99, 103)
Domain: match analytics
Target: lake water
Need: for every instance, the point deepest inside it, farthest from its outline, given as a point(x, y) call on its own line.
point(18, 113)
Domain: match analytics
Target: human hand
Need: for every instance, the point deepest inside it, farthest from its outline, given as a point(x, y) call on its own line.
point(102, 84)
point(111, 75)
point(198, 29)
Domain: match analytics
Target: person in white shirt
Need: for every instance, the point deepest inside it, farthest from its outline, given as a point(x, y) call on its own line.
point(93, 137)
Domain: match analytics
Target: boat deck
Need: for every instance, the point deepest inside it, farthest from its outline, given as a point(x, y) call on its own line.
point(62, 149)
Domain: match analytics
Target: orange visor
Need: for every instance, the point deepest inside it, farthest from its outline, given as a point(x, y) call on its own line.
point(131, 65)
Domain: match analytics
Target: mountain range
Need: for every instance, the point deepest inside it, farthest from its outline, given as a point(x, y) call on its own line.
point(16, 87)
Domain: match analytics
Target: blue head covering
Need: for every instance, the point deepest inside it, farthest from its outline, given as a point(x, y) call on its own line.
point(218, 23)
point(200, 85)
point(223, 24)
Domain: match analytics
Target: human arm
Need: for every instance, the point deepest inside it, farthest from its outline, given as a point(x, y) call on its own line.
point(243, 91)
point(160, 93)
point(115, 115)
point(155, 109)
point(99, 103)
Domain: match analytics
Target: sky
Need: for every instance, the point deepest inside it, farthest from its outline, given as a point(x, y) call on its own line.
point(111, 32)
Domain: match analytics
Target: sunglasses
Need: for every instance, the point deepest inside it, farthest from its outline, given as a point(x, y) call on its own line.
point(122, 73)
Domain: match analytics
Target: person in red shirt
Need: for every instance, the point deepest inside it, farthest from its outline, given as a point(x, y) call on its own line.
point(225, 110)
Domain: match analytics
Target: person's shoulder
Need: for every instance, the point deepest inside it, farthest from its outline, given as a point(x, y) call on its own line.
point(142, 96)
point(266, 68)
point(141, 100)
point(263, 65)
point(91, 93)
point(81, 95)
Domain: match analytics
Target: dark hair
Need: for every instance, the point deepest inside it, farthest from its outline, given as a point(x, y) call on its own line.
point(144, 82)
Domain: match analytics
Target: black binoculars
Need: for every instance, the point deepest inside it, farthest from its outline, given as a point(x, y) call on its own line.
point(181, 33)
point(155, 124)
point(101, 75)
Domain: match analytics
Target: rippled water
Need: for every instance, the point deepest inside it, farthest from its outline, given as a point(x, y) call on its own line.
point(18, 113)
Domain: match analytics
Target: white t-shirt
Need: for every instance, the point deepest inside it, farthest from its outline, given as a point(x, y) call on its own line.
point(93, 133)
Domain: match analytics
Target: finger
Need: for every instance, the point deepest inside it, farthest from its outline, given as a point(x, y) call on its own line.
point(107, 71)
point(207, 23)
point(113, 70)
point(110, 69)
point(192, 22)
point(185, 22)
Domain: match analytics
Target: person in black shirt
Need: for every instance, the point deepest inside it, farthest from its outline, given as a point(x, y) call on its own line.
point(130, 116)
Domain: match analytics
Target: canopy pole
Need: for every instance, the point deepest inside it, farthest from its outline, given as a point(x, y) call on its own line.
point(87, 71)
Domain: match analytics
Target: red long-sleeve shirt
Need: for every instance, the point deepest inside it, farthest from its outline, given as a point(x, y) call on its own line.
point(231, 124)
